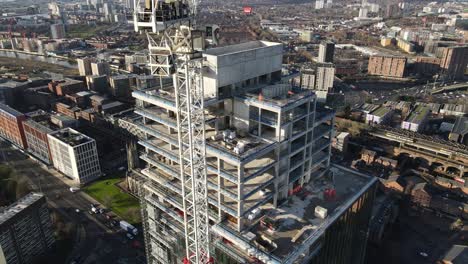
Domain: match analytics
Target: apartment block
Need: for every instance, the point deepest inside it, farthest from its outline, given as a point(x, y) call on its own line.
point(267, 145)
point(26, 230)
point(427, 65)
point(75, 155)
point(100, 68)
point(84, 66)
point(97, 83)
point(119, 86)
point(66, 87)
point(36, 131)
point(58, 31)
point(326, 52)
point(454, 62)
point(11, 126)
point(387, 66)
point(324, 80)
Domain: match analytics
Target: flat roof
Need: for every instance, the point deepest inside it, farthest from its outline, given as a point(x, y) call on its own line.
point(15, 208)
point(297, 226)
point(418, 114)
point(238, 48)
point(10, 111)
point(381, 111)
point(71, 137)
point(461, 125)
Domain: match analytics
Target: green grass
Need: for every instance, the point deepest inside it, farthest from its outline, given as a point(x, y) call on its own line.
point(85, 31)
point(120, 202)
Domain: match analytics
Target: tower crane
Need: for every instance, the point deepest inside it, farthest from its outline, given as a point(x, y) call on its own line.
point(175, 47)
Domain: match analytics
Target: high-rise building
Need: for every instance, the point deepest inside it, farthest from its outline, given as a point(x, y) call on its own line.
point(326, 52)
point(119, 86)
point(58, 31)
point(11, 126)
point(454, 62)
point(75, 155)
point(319, 4)
point(25, 230)
point(100, 68)
point(97, 83)
point(324, 80)
point(273, 194)
point(363, 12)
point(387, 66)
point(84, 66)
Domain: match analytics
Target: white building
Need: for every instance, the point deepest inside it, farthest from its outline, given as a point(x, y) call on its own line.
point(75, 155)
point(363, 12)
point(417, 119)
point(319, 4)
point(100, 68)
point(380, 115)
point(325, 77)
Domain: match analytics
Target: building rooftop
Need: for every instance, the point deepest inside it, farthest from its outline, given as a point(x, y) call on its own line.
point(71, 137)
point(381, 111)
point(232, 49)
point(461, 126)
point(277, 96)
point(10, 111)
point(296, 225)
point(15, 208)
point(418, 115)
point(458, 254)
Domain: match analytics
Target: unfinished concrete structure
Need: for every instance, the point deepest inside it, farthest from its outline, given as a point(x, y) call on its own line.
point(267, 141)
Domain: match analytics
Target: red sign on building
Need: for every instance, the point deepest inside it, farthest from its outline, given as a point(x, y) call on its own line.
point(248, 10)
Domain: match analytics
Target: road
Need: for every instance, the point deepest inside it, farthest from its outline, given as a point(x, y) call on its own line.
point(96, 243)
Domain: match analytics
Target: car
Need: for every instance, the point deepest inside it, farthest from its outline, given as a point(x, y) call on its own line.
point(101, 210)
point(74, 189)
point(423, 254)
point(77, 210)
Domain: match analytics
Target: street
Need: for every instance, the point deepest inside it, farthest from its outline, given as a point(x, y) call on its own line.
point(94, 241)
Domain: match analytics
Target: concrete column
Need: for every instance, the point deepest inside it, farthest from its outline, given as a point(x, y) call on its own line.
point(240, 193)
point(220, 185)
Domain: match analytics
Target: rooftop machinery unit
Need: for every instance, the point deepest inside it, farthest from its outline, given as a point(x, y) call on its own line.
point(175, 51)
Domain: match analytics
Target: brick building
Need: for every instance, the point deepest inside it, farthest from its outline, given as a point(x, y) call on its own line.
point(11, 127)
point(387, 66)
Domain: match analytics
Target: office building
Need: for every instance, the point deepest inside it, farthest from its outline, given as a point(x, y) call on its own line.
point(100, 68)
point(326, 52)
point(11, 126)
point(58, 31)
point(387, 66)
point(26, 230)
point(324, 80)
point(84, 66)
point(267, 143)
point(454, 62)
point(75, 155)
